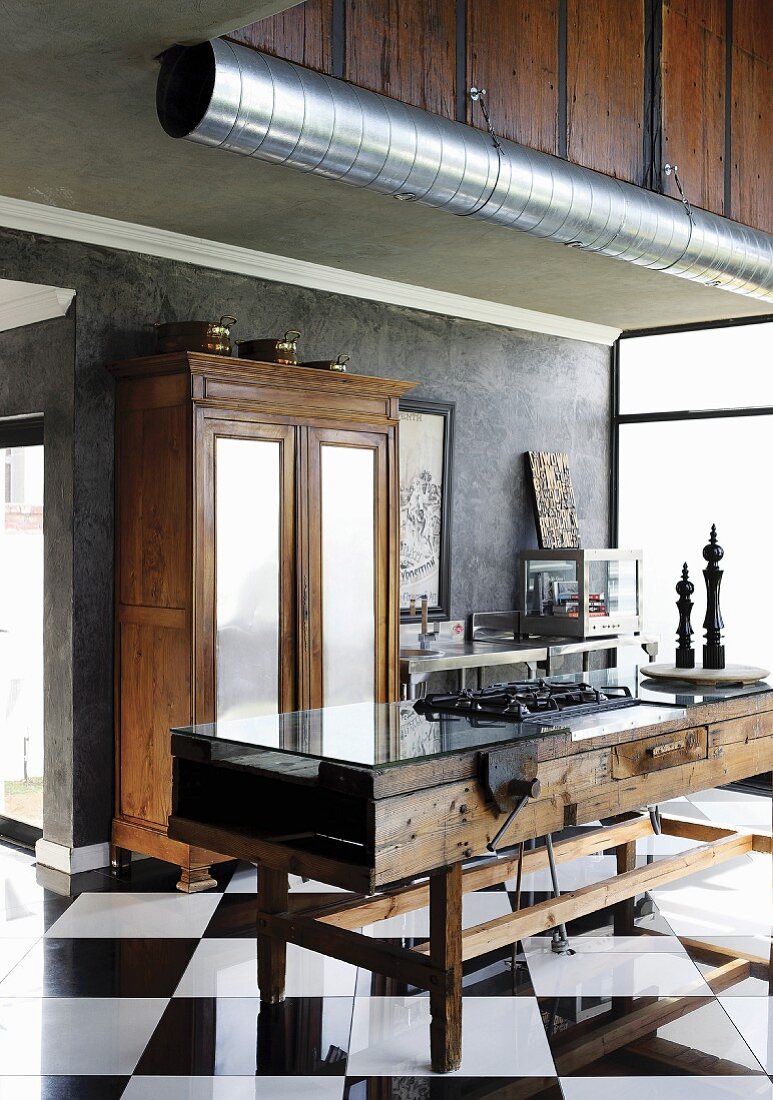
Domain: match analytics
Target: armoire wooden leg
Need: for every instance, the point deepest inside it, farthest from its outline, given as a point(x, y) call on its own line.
point(195, 879)
point(120, 860)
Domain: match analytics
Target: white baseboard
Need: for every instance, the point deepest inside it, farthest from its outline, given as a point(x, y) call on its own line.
point(71, 861)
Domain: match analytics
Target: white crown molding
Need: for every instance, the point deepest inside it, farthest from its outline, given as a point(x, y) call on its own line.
point(71, 861)
point(28, 303)
point(32, 217)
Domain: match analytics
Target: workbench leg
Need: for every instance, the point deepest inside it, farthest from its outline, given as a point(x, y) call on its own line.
point(624, 922)
point(445, 946)
point(272, 953)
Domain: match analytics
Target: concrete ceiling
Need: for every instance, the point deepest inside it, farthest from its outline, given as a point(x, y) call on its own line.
point(78, 129)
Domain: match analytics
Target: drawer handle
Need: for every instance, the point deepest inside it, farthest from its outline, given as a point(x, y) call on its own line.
point(670, 746)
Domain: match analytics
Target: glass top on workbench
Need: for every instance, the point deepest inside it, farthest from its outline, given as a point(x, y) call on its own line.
point(387, 734)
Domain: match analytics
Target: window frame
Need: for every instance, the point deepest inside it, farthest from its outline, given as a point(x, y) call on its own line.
point(755, 784)
point(619, 419)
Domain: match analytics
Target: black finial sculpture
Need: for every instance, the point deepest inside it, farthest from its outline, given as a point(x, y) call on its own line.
point(685, 654)
point(713, 650)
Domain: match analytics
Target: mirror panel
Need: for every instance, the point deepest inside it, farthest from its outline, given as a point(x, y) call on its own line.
point(348, 574)
point(247, 576)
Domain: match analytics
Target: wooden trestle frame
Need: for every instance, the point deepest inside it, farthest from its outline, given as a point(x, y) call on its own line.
point(437, 965)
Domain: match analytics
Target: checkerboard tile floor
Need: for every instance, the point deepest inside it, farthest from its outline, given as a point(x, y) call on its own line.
point(130, 989)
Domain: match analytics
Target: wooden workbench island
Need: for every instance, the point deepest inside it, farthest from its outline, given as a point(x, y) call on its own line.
point(400, 808)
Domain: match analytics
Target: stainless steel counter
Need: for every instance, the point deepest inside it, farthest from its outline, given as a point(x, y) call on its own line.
point(539, 654)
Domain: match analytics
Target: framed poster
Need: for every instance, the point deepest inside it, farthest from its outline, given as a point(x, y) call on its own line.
point(426, 460)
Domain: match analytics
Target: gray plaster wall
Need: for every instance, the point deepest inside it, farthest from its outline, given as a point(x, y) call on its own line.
point(37, 373)
point(514, 391)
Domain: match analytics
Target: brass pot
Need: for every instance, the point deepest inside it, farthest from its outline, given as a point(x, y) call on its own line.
point(284, 351)
point(338, 364)
point(210, 337)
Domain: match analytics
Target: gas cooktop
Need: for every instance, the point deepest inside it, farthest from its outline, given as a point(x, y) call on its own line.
point(525, 700)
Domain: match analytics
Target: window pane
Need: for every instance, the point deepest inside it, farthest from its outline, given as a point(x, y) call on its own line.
point(21, 634)
point(678, 478)
point(718, 368)
point(247, 523)
point(348, 575)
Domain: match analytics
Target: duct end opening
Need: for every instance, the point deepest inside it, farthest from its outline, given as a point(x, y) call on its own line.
point(185, 86)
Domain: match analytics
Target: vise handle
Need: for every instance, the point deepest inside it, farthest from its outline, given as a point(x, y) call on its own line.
point(525, 788)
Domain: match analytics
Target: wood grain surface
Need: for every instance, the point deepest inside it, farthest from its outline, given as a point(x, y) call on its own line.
point(751, 199)
point(302, 34)
point(512, 52)
point(693, 108)
point(405, 49)
point(605, 82)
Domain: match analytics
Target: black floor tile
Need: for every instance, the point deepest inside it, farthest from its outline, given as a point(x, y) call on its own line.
point(156, 876)
point(644, 1037)
point(236, 915)
point(103, 968)
point(451, 1088)
point(206, 1036)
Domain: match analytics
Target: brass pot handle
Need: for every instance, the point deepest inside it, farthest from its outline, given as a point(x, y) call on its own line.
point(227, 321)
point(292, 335)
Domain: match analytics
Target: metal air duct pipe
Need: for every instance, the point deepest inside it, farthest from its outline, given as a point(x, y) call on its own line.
point(226, 95)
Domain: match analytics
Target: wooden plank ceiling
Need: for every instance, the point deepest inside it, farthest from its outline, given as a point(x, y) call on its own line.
point(620, 86)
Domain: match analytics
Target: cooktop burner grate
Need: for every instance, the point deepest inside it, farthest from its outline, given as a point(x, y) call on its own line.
point(525, 700)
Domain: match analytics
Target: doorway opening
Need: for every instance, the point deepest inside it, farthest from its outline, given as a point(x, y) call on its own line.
point(21, 629)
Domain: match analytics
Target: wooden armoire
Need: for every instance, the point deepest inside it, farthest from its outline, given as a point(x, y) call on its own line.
point(257, 547)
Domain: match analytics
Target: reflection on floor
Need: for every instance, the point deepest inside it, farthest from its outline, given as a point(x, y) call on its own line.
point(131, 989)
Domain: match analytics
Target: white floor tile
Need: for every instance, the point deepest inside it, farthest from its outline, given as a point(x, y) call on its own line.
point(236, 1022)
point(299, 885)
point(739, 811)
point(753, 1016)
point(734, 898)
point(571, 876)
point(668, 1088)
point(660, 847)
point(477, 907)
point(244, 880)
point(709, 1031)
point(18, 885)
point(126, 915)
point(228, 968)
point(234, 1088)
point(756, 946)
point(596, 970)
point(25, 922)
point(626, 945)
point(84, 1035)
point(501, 1037)
point(11, 858)
point(12, 951)
point(752, 945)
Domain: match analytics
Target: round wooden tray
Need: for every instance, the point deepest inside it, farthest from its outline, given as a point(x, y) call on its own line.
point(732, 674)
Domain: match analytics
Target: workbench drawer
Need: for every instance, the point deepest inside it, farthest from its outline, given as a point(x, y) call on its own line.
point(666, 750)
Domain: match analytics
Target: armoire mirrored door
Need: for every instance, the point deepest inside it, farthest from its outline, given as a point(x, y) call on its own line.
point(348, 532)
point(247, 600)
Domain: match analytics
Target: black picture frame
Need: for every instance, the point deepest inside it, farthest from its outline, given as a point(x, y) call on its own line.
point(445, 411)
